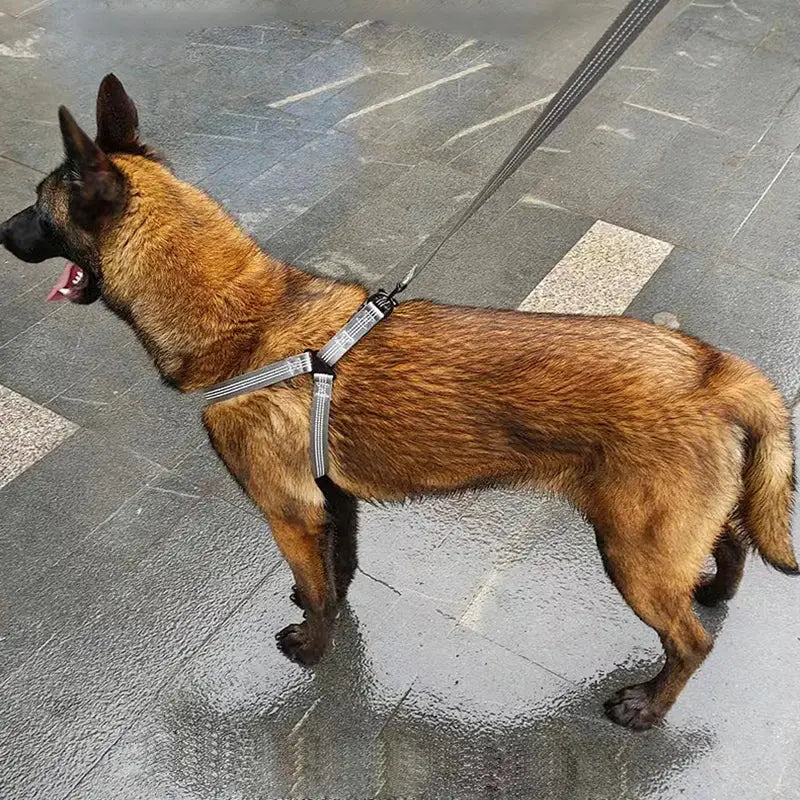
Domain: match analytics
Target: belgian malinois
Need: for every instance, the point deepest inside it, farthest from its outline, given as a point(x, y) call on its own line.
point(672, 449)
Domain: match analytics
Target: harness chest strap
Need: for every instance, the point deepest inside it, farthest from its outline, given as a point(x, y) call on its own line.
point(320, 364)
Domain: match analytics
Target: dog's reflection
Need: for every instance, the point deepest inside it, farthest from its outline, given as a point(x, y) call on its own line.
point(340, 733)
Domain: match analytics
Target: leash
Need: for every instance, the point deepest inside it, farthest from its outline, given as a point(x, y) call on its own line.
point(636, 16)
point(320, 364)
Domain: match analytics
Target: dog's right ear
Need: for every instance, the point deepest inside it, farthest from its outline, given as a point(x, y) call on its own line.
point(96, 186)
point(117, 118)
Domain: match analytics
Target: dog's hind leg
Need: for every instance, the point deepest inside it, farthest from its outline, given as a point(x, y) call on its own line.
point(654, 557)
point(729, 555)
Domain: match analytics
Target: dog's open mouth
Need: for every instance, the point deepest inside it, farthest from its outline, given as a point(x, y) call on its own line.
point(75, 284)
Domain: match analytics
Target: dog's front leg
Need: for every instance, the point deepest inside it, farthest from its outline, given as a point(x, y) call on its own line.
point(304, 539)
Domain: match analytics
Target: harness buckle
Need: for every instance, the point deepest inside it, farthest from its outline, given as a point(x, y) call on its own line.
point(384, 301)
point(320, 367)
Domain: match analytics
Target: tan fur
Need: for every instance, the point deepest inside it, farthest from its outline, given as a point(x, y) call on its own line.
point(668, 446)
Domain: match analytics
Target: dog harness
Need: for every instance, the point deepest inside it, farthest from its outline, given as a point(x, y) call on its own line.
point(320, 364)
point(628, 25)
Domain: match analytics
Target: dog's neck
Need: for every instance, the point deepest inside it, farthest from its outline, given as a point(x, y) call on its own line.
point(205, 301)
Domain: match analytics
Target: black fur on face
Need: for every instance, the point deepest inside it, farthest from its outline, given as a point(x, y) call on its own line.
point(31, 236)
point(85, 193)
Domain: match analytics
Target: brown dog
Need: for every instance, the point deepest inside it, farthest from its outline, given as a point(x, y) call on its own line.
point(672, 449)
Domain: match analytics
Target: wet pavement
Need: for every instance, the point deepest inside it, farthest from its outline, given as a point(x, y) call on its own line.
point(141, 591)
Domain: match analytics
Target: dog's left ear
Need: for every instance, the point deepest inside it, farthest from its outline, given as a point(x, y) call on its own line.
point(117, 118)
point(96, 186)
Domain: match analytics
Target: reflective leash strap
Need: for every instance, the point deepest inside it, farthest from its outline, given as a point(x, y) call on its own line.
point(277, 372)
point(614, 42)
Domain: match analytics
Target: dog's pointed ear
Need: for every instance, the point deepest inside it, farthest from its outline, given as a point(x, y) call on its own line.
point(79, 149)
point(117, 118)
point(97, 187)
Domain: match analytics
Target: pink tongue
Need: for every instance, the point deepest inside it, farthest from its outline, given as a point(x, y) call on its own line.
point(64, 282)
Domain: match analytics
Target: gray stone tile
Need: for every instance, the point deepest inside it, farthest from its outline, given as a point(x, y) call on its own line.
point(612, 158)
point(19, 8)
point(264, 63)
point(25, 310)
point(27, 433)
point(203, 570)
point(60, 350)
point(327, 67)
point(153, 420)
point(769, 240)
point(14, 33)
point(76, 487)
point(436, 119)
point(71, 590)
point(736, 309)
point(436, 100)
point(370, 242)
point(202, 472)
point(259, 722)
point(669, 31)
point(397, 546)
point(483, 150)
point(724, 85)
point(783, 133)
point(699, 191)
point(126, 401)
point(497, 262)
point(88, 398)
point(348, 198)
point(561, 592)
point(746, 23)
point(440, 727)
point(327, 109)
point(288, 189)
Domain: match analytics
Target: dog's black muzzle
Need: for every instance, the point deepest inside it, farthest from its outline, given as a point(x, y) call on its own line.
point(29, 237)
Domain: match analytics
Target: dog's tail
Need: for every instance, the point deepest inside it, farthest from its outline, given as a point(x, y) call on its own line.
point(765, 509)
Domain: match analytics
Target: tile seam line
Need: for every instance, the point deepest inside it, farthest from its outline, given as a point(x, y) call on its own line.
point(528, 659)
point(10, 160)
point(170, 679)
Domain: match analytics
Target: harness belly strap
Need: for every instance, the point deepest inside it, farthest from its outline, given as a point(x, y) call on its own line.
point(320, 364)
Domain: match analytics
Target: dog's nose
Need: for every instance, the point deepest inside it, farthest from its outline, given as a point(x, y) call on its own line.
point(3, 226)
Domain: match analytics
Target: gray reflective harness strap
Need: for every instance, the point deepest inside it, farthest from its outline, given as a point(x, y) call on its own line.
point(356, 328)
point(277, 372)
point(320, 364)
point(320, 420)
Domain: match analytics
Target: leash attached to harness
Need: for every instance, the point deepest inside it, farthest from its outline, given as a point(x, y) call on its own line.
point(625, 29)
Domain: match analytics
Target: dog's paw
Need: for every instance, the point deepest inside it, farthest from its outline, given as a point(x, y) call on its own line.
point(298, 645)
point(709, 593)
point(633, 708)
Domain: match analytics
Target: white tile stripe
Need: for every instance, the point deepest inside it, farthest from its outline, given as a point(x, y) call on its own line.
point(418, 90)
point(325, 87)
point(601, 274)
point(28, 432)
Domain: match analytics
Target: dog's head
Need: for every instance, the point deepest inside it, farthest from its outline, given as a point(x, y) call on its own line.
point(80, 199)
